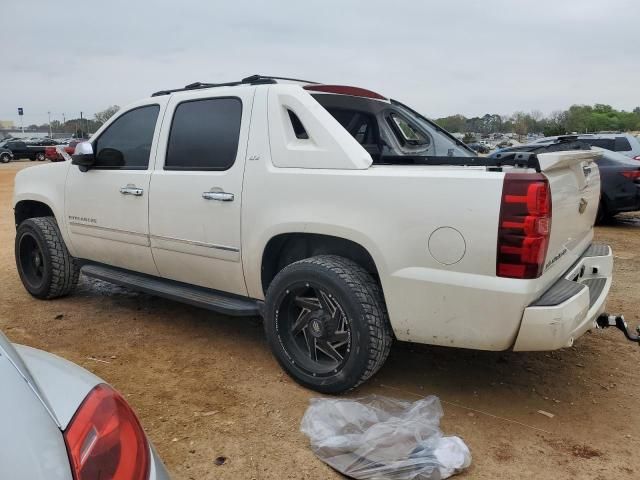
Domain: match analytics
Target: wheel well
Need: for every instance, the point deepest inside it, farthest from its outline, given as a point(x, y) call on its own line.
point(29, 209)
point(285, 249)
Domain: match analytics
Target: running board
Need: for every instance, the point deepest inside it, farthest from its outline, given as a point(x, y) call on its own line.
point(181, 292)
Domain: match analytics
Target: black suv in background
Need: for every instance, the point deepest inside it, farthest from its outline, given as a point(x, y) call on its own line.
point(20, 149)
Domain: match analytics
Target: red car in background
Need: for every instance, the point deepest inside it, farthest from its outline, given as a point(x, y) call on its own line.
point(52, 154)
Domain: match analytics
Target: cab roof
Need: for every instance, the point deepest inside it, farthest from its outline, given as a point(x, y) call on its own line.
point(265, 79)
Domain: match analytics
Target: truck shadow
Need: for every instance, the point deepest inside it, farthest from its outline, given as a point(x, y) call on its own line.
point(465, 376)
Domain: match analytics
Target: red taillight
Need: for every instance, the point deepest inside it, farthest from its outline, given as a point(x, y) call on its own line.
point(345, 90)
point(525, 225)
point(105, 440)
point(632, 175)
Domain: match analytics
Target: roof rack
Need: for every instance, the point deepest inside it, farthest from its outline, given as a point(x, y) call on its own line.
point(251, 80)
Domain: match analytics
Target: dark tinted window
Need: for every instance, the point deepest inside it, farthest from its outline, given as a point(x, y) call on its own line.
point(607, 143)
point(622, 145)
point(126, 144)
point(204, 135)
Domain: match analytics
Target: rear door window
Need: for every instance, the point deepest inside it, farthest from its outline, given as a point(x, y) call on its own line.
point(204, 134)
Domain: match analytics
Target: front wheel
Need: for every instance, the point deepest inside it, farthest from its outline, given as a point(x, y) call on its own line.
point(46, 268)
point(40, 157)
point(5, 158)
point(327, 323)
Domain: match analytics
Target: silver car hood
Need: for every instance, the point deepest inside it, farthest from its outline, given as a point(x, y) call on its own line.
point(60, 385)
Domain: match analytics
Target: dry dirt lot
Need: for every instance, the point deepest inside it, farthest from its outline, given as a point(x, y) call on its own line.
point(205, 385)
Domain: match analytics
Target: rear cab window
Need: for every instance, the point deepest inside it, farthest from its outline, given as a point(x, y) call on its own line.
point(407, 134)
point(389, 130)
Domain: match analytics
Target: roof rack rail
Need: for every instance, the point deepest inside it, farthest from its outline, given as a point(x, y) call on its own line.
point(250, 80)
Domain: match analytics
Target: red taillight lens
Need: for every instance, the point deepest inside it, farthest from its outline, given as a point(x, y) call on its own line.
point(632, 175)
point(105, 440)
point(525, 225)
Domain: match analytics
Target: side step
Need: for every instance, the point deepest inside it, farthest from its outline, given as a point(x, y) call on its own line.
point(181, 292)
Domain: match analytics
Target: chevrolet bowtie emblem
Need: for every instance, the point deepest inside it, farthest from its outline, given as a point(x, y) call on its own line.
point(583, 205)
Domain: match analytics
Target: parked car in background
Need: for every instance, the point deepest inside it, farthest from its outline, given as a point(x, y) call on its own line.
point(61, 422)
point(5, 155)
point(46, 142)
point(479, 147)
point(623, 143)
point(619, 180)
point(21, 150)
point(52, 153)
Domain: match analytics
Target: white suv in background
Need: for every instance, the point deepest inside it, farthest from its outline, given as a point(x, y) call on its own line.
point(623, 143)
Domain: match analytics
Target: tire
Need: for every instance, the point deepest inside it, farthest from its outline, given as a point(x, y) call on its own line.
point(40, 157)
point(327, 324)
point(46, 268)
point(5, 158)
point(603, 216)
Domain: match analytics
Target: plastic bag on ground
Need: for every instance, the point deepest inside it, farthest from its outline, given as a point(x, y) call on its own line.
point(377, 438)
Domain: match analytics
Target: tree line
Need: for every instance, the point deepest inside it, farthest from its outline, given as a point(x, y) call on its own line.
point(578, 118)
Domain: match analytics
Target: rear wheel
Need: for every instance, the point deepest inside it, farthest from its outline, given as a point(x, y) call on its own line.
point(40, 157)
point(5, 158)
point(327, 324)
point(46, 268)
point(603, 216)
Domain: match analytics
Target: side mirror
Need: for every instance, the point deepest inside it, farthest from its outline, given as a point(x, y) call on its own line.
point(83, 156)
point(110, 157)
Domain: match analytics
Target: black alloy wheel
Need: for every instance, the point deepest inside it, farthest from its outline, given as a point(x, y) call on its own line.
point(314, 329)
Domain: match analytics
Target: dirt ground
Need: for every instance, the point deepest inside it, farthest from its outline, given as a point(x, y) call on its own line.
point(206, 385)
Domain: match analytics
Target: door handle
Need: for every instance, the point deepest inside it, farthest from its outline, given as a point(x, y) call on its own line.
point(131, 190)
point(220, 196)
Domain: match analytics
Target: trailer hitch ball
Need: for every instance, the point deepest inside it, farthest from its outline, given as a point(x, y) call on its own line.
point(606, 320)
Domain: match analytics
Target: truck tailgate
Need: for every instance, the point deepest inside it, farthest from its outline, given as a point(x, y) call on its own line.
point(574, 180)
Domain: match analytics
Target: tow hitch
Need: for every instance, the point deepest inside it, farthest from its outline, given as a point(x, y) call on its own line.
point(605, 321)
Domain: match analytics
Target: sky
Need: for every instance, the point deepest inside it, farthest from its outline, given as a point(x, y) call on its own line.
point(441, 58)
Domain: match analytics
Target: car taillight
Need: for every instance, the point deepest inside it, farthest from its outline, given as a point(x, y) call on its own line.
point(525, 225)
point(632, 175)
point(105, 440)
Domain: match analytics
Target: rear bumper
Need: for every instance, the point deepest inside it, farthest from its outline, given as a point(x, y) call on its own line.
point(571, 306)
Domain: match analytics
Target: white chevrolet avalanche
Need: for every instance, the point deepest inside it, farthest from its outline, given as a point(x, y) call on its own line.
point(344, 218)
